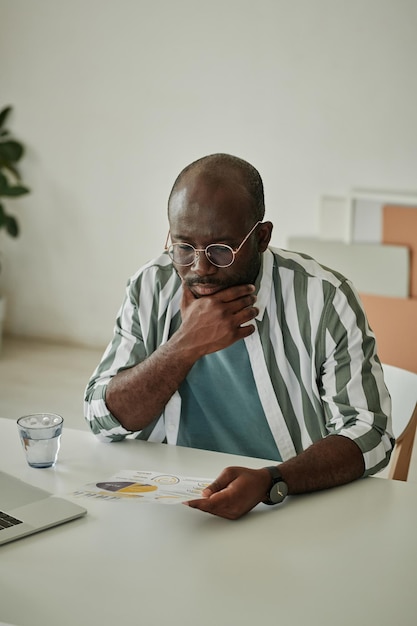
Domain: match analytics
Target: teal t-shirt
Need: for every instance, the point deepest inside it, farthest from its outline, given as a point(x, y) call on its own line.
point(221, 409)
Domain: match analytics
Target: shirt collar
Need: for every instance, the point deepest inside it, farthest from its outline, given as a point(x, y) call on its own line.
point(263, 283)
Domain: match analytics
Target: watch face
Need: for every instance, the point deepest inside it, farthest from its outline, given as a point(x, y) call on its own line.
point(278, 492)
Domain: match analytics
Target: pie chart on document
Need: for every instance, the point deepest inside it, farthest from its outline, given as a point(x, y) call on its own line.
point(126, 487)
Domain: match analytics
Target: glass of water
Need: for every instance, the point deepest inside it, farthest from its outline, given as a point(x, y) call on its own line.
point(40, 435)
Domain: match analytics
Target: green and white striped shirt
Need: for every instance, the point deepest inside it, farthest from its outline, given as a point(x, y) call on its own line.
point(313, 357)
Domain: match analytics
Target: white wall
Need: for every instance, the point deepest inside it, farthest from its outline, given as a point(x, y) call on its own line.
point(113, 98)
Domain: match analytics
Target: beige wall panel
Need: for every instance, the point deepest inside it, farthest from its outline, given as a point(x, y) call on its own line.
point(373, 268)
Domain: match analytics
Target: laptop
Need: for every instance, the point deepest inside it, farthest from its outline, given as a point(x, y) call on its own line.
point(25, 509)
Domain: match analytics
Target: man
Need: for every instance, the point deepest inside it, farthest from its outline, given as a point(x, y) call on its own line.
point(226, 344)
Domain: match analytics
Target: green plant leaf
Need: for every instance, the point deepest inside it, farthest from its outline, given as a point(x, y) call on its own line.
point(11, 150)
point(4, 183)
point(12, 226)
point(9, 223)
point(16, 190)
point(11, 191)
point(4, 114)
point(10, 168)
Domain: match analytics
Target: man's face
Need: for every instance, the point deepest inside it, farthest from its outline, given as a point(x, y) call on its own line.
point(201, 213)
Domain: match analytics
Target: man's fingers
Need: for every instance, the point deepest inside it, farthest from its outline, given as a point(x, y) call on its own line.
point(238, 297)
point(225, 478)
point(234, 293)
point(242, 304)
point(187, 295)
point(220, 504)
point(235, 492)
point(213, 488)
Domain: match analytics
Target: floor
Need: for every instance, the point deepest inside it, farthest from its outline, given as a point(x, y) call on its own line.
point(37, 376)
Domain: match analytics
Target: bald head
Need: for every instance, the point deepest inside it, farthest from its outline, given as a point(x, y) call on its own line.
point(220, 170)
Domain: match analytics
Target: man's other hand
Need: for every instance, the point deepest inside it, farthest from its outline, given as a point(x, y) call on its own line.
point(235, 492)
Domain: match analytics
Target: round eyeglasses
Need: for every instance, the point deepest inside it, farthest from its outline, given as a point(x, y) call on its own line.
point(219, 254)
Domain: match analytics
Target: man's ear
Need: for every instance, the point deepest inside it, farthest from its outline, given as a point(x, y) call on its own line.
point(264, 235)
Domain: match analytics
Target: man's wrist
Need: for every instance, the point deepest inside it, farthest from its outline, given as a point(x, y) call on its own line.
point(278, 489)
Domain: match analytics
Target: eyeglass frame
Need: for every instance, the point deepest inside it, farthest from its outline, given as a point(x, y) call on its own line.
point(197, 251)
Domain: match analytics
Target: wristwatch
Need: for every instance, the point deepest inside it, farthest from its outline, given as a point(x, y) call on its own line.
point(279, 488)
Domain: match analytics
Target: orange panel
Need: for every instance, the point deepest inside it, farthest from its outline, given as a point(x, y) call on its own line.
point(400, 227)
point(394, 322)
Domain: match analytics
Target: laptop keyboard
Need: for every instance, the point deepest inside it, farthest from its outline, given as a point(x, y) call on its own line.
point(7, 520)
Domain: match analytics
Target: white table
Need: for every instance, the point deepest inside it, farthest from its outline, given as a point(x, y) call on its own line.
point(341, 557)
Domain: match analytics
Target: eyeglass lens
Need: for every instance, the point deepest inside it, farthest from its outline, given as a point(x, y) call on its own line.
point(218, 254)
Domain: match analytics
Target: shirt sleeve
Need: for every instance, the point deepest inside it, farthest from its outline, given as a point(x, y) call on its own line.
point(125, 350)
point(355, 399)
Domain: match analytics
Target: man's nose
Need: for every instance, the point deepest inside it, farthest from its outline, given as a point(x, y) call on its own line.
point(202, 265)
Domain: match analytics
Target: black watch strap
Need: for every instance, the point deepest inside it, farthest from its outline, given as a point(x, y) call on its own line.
point(279, 489)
